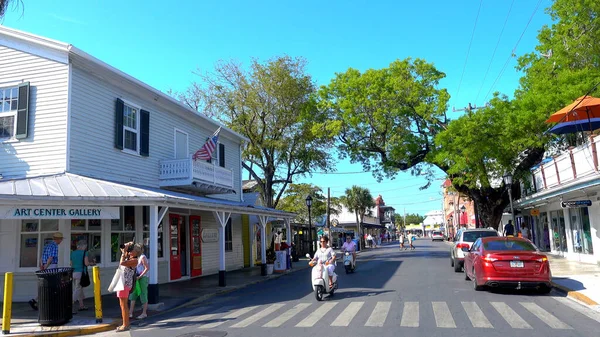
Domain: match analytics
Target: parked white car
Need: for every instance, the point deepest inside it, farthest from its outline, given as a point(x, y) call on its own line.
point(437, 235)
point(464, 239)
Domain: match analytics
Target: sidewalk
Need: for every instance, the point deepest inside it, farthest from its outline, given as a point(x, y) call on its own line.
point(580, 281)
point(173, 295)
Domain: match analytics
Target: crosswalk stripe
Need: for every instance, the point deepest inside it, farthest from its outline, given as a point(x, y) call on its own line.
point(315, 316)
point(379, 314)
point(261, 314)
point(348, 314)
point(227, 317)
point(510, 316)
point(443, 317)
point(410, 315)
point(478, 319)
point(286, 315)
point(595, 315)
point(545, 316)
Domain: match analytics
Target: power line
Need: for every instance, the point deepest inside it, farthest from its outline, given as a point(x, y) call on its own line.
point(469, 48)
point(512, 54)
point(495, 49)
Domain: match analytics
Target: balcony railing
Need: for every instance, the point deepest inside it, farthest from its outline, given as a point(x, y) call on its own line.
point(187, 173)
point(572, 165)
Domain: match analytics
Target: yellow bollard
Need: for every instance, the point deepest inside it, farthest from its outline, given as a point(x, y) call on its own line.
point(97, 293)
point(7, 310)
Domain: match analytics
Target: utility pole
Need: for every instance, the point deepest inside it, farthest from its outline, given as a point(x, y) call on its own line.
point(470, 108)
point(328, 216)
point(404, 225)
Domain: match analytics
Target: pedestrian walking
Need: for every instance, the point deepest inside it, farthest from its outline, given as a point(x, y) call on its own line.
point(412, 239)
point(141, 286)
point(79, 261)
point(402, 242)
point(509, 229)
point(524, 231)
point(128, 264)
point(49, 259)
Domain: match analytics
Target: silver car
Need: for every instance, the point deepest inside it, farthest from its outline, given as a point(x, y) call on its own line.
point(464, 239)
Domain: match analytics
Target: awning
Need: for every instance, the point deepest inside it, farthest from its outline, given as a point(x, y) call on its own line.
point(71, 189)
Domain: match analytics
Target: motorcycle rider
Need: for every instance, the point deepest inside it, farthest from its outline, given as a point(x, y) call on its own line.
point(350, 247)
point(327, 255)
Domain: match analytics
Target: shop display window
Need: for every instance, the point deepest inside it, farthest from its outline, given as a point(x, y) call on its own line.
point(35, 234)
point(146, 233)
point(122, 231)
point(88, 230)
point(580, 230)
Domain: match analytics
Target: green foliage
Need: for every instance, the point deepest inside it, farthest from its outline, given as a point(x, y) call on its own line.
point(410, 218)
point(272, 104)
point(294, 201)
point(386, 118)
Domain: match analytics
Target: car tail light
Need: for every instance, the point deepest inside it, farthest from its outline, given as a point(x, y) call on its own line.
point(462, 245)
point(542, 259)
point(489, 259)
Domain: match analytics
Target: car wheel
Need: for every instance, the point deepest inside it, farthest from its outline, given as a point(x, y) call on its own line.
point(476, 286)
point(544, 289)
point(457, 267)
point(466, 274)
point(451, 262)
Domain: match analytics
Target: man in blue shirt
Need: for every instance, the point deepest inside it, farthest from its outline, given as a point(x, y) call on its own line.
point(509, 229)
point(49, 259)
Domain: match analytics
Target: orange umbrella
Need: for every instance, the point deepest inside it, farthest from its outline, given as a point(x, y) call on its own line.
point(588, 108)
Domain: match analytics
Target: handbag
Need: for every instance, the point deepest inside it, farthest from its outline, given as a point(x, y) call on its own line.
point(117, 283)
point(85, 276)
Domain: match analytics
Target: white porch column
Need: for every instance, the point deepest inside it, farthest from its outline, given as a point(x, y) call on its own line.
point(222, 217)
point(155, 219)
point(290, 237)
point(263, 243)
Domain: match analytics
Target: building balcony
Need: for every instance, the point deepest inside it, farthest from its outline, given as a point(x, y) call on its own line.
point(572, 165)
point(197, 176)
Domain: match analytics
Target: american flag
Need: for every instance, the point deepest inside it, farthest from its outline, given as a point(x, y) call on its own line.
point(205, 152)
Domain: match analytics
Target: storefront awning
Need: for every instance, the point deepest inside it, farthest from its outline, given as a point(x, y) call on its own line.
point(71, 189)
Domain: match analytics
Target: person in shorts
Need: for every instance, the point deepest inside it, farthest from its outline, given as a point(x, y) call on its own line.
point(141, 288)
point(129, 263)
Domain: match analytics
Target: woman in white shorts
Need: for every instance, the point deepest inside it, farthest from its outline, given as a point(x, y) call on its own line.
point(327, 256)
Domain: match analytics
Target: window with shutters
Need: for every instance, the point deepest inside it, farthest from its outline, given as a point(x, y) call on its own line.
point(131, 128)
point(9, 98)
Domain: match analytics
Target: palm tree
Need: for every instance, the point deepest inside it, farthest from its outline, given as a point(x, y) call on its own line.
point(360, 201)
point(4, 5)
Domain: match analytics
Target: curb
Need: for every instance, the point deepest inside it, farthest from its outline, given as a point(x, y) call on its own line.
point(108, 327)
point(574, 294)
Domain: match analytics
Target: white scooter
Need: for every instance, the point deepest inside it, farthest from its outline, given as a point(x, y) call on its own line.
point(349, 263)
point(320, 280)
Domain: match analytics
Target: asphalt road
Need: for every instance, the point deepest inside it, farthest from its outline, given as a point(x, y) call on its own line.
point(408, 293)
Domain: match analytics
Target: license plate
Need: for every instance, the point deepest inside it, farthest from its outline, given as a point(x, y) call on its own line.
point(516, 264)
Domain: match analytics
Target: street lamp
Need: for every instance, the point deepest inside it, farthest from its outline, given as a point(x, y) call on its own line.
point(309, 204)
point(508, 182)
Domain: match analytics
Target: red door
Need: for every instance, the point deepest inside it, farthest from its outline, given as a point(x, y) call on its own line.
point(196, 246)
point(175, 222)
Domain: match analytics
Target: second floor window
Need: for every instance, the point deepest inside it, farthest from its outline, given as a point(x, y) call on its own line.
point(8, 112)
point(131, 128)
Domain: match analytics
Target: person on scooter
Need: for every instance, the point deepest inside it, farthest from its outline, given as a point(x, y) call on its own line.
point(327, 255)
point(350, 247)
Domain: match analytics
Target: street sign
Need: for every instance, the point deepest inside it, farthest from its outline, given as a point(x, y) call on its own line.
point(576, 203)
point(535, 212)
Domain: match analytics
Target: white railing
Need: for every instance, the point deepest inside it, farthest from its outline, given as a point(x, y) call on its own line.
point(176, 170)
point(571, 165)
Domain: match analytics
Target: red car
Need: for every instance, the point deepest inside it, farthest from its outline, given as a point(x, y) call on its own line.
point(507, 262)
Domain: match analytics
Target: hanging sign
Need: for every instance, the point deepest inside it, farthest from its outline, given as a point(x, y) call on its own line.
point(535, 212)
point(576, 203)
point(210, 235)
point(53, 212)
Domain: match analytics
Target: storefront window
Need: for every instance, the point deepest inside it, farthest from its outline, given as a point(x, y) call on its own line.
point(146, 222)
point(88, 230)
point(34, 235)
point(559, 231)
point(580, 227)
point(122, 231)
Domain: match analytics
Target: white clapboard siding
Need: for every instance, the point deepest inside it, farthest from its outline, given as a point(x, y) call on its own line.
point(92, 151)
point(44, 149)
point(210, 250)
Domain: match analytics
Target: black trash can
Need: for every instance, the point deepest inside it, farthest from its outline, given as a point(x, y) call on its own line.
point(55, 296)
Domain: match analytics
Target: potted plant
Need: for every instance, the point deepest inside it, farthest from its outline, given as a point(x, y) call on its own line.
point(270, 260)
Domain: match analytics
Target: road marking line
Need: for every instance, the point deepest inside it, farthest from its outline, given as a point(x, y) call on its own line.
point(314, 317)
point(478, 319)
point(510, 316)
point(410, 315)
point(259, 315)
point(348, 314)
point(228, 317)
point(443, 317)
point(579, 308)
point(286, 316)
point(545, 316)
point(379, 314)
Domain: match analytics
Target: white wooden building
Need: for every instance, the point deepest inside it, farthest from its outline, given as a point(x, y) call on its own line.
point(98, 155)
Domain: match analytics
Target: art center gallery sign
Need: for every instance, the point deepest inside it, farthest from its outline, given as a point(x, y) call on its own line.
point(44, 212)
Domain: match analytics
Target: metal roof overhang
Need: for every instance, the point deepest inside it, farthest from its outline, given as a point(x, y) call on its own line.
point(592, 181)
point(74, 190)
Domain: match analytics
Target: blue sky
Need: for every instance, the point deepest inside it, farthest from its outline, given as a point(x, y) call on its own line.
point(161, 43)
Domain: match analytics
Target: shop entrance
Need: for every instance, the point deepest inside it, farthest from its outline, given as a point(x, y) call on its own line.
point(195, 246)
point(178, 256)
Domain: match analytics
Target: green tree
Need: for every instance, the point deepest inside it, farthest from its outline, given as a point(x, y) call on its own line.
point(272, 105)
point(359, 201)
point(413, 218)
point(294, 201)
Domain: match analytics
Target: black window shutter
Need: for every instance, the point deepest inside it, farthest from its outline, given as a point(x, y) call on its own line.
point(145, 133)
point(119, 124)
point(222, 155)
point(22, 111)
point(208, 160)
